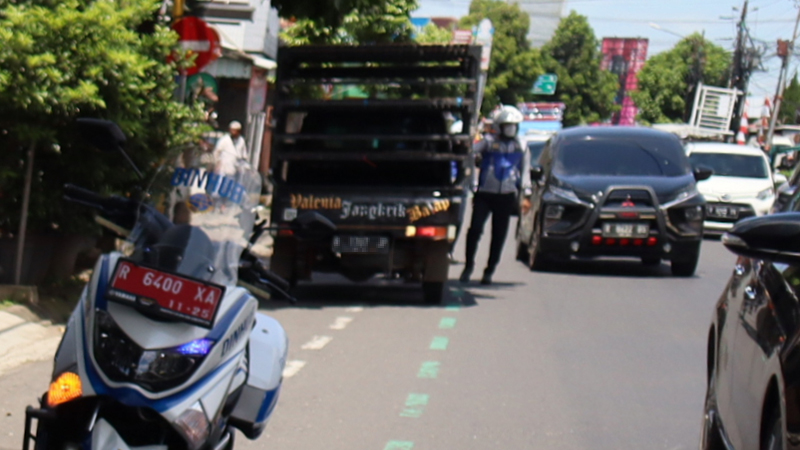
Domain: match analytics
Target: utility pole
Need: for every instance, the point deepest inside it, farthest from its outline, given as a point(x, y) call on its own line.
point(784, 51)
point(740, 73)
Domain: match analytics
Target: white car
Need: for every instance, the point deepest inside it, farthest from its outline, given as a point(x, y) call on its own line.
point(742, 184)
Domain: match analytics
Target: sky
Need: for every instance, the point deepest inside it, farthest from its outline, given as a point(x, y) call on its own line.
point(664, 21)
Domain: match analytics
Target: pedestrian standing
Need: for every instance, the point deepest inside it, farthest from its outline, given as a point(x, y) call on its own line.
point(230, 150)
point(504, 164)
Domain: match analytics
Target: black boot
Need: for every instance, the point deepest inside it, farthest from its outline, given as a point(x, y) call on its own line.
point(466, 274)
point(487, 277)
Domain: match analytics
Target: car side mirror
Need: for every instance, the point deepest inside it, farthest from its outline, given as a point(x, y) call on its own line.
point(774, 237)
point(702, 173)
point(537, 172)
point(779, 179)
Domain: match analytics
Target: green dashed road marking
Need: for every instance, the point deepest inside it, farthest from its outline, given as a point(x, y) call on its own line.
point(447, 322)
point(429, 369)
point(453, 308)
point(415, 405)
point(439, 343)
point(399, 445)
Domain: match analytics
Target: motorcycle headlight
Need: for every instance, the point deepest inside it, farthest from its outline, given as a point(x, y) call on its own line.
point(765, 194)
point(121, 359)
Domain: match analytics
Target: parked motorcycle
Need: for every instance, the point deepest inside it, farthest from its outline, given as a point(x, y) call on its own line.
point(165, 350)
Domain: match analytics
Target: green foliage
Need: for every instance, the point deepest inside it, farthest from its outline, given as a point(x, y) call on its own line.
point(668, 80)
point(573, 54)
point(433, 34)
point(791, 103)
point(514, 66)
point(368, 23)
point(82, 58)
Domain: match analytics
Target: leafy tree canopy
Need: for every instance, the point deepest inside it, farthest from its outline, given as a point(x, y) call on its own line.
point(82, 58)
point(366, 22)
point(790, 105)
point(432, 34)
point(514, 66)
point(573, 54)
point(668, 80)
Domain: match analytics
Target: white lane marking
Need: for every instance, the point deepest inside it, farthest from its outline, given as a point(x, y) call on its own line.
point(355, 309)
point(292, 367)
point(316, 343)
point(340, 323)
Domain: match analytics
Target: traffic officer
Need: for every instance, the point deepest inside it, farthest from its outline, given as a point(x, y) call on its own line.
point(504, 174)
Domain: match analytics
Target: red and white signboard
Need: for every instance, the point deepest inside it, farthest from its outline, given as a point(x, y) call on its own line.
point(166, 294)
point(197, 38)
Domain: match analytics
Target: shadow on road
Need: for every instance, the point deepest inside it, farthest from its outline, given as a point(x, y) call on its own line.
point(610, 268)
point(321, 295)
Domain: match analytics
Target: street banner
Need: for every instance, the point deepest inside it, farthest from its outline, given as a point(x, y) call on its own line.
point(624, 57)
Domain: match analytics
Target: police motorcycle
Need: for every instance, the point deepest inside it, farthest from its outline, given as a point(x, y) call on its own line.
point(165, 349)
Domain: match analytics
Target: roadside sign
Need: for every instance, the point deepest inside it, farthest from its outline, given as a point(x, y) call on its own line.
point(546, 84)
point(484, 33)
point(196, 37)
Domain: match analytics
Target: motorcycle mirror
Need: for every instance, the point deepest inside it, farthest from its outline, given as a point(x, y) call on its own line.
point(106, 136)
point(312, 223)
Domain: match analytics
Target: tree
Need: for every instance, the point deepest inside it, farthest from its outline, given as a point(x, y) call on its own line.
point(790, 105)
point(572, 53)
point(433, 34)
point(514, 66)
point(369, 23)
point(668, 80)
point(82, 58)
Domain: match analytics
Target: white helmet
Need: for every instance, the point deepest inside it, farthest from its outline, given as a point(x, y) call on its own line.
point(508, 114)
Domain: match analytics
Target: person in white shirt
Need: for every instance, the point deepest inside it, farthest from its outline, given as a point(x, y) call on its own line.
point(230, 149)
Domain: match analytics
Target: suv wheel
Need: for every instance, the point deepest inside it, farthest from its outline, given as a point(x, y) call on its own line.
point(535, 257)
point(685, 266)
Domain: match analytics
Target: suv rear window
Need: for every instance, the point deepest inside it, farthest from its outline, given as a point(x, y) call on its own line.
point(621, 157)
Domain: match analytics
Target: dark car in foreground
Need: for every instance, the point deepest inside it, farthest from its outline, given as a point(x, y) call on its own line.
point(616, 192)
point(753, 393)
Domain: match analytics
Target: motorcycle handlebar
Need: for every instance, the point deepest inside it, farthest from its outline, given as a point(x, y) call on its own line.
point(81, 195)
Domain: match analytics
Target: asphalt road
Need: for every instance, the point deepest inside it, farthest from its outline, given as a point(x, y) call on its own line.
point(604, 355)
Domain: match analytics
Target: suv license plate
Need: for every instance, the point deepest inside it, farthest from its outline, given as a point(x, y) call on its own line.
point(722, 212)
point(625, 230)
point(360, 244)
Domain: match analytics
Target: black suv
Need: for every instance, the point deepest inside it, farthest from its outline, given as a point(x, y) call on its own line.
point(614, 191)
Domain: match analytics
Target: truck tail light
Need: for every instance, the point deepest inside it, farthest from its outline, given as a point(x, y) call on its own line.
point(427, 232)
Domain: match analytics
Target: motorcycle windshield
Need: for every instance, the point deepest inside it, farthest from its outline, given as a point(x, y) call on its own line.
point(198, 222)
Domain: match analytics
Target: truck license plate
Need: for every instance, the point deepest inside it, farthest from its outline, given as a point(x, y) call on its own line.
point(360, 244)
point(625, 230)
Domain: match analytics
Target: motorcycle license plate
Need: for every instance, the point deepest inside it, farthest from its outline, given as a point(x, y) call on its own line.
point(360, 244)
point(166, 294)
point(625, 230)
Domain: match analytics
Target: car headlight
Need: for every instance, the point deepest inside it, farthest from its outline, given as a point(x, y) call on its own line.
point(693, 213)
point(564, 193)
point(121, 359)
point(765, 194)
point(553, 212)
point(683, 194)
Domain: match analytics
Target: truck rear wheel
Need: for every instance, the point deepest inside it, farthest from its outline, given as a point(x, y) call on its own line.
point(433, 292)
point(437, 266)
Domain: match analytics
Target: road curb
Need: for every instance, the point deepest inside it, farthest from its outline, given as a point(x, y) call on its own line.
point(25, 339)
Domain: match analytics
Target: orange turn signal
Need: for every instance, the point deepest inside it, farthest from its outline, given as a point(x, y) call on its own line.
point(66, 387)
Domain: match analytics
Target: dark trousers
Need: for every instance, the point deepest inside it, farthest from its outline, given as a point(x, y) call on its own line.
point(500, 206)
